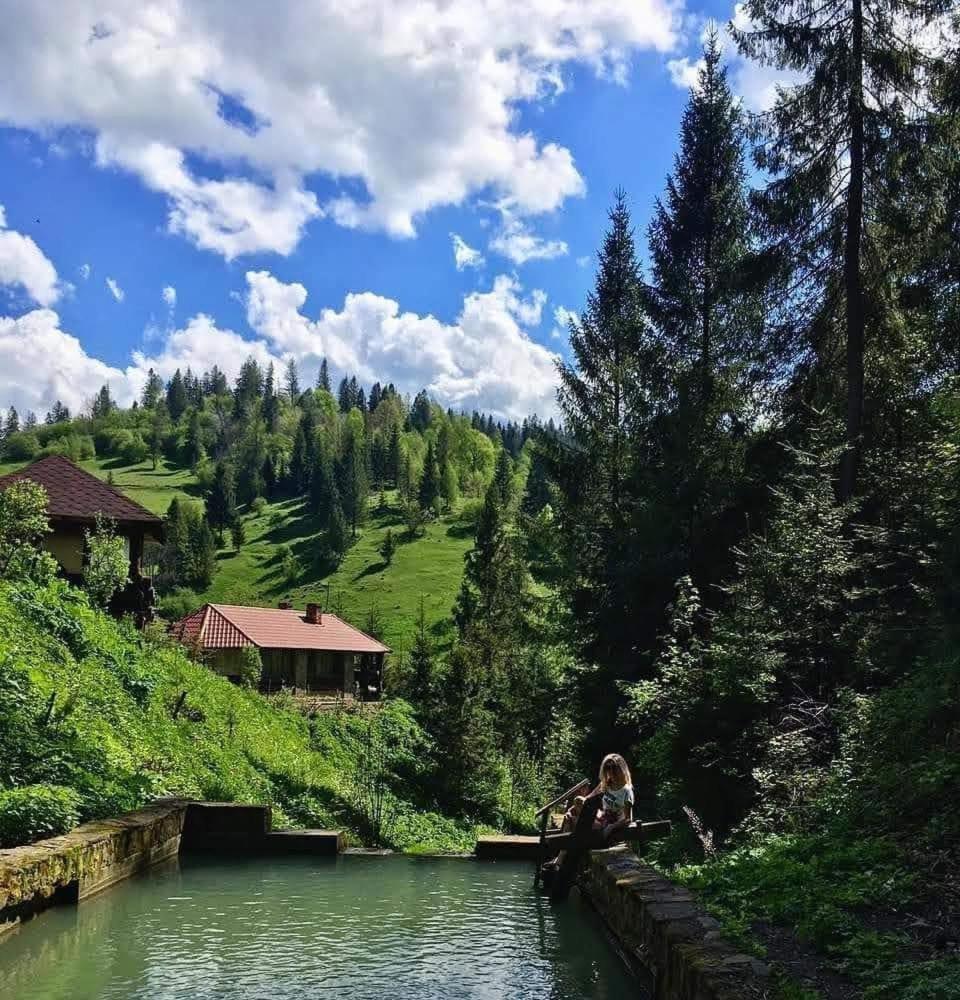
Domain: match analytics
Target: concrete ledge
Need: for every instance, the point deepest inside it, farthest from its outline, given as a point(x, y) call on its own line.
point(661, 925)
point(305, 842)
point(227, 827)
point(506, 848)
point(86, 860)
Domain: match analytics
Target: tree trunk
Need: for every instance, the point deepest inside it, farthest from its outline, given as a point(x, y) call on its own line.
point(853, 276)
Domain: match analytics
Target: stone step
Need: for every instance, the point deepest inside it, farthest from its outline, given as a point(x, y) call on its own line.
point(305, 842)
point(502, 847)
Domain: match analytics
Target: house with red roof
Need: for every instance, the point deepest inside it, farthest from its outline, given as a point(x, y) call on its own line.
point(75, 498)
point(309, 651)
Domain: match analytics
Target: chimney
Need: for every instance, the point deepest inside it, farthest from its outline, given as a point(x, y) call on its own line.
point(284, 605)
point(314, 617)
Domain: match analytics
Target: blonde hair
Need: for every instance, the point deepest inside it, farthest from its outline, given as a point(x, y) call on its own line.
point(614, 762)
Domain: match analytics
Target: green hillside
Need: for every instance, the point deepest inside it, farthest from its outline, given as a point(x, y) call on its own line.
point(430, 566)
point(90, 727)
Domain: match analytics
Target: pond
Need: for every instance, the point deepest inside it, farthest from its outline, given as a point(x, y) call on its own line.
point(355, 928)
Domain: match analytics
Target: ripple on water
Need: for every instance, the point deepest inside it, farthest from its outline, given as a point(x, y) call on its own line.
point(361, 928)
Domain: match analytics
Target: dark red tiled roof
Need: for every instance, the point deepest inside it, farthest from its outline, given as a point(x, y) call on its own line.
point(76, 495)
point(229, 626)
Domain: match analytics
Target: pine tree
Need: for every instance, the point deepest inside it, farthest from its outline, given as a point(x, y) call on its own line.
point(388, 547)
point(707, 318)
point(323, 376)
point(12, 425)
point(421, 675)
point(103, 404)
point(337, 536)
point(153, 391)
point(271, 403)
point(176, 396)
point(699, 240)
point(609, 389)
point(430, 483)
point(394, 457)
point(324, 496)
point(826, 144)
point(354, 485)
point(222, 501)
point(291, 381)
point(238, 534)
point(344, 398)
point(503, 478)
point(420, 412)
point(376, 394)
point(58, 414)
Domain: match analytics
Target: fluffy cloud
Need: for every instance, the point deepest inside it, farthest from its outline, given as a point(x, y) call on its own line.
point(23, 264)
point(486, 359)
point(517, 243)
point(463, 254)
point(227, 112)
point(40, 363)
point(562, 318)
point(115, 290)
point(84, 271)
point(169, 296)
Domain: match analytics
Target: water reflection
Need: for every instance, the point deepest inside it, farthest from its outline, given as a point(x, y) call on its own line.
point(353, 927)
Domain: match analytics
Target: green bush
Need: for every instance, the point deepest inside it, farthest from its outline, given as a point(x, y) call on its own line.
point(35, 812)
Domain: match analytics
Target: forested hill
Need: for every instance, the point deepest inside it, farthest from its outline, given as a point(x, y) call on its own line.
point(273, 490)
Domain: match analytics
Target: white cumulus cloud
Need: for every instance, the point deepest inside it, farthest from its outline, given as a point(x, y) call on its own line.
point(486, 359)
point(115, 290)
point(40, 363)
point(169, 296)
point(23, 264)
point(404, 105)
point(517, 243)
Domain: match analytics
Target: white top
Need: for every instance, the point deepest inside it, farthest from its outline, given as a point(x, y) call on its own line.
point(615, 800)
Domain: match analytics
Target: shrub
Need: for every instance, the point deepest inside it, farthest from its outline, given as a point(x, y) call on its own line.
point(178, 605)
point(35, 812)
point(251, 667)
point(76, 447)
point(258, 505)
point(20, 447)
point(107, 563)
point(23, 525)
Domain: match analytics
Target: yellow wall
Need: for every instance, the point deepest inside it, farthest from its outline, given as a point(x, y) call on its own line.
point(67, 548)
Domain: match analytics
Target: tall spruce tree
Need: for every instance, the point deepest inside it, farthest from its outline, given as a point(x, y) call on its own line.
point(177, 400)
point(291, 381)
point(430, 483)
point(705, 310)
point(603, 393)
point(825, 145)
point(222, 500)
point(323, 376)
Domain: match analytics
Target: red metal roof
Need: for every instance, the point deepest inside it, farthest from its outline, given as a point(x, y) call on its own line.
point(230, 626)
point(74, 494)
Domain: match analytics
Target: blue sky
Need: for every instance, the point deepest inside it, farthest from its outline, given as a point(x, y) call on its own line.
point(296, 183)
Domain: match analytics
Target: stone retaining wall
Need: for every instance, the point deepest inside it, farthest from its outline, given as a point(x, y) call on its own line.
point(86, 860)
point(660, 926)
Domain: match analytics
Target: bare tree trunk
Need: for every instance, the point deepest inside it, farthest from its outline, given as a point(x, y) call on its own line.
point(853, 275)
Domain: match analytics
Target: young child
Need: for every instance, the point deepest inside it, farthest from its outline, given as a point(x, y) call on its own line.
point(617, 809)
point(617, 787)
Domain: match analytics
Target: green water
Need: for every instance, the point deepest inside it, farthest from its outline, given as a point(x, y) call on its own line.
point(355, 928)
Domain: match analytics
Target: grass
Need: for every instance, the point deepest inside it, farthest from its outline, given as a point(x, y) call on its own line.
point(429, 567)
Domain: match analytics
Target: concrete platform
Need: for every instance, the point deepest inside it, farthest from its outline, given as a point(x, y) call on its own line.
point(507, 848)
point(325, 842)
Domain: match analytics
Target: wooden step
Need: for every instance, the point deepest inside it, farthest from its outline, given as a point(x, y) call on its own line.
point(501, 847)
